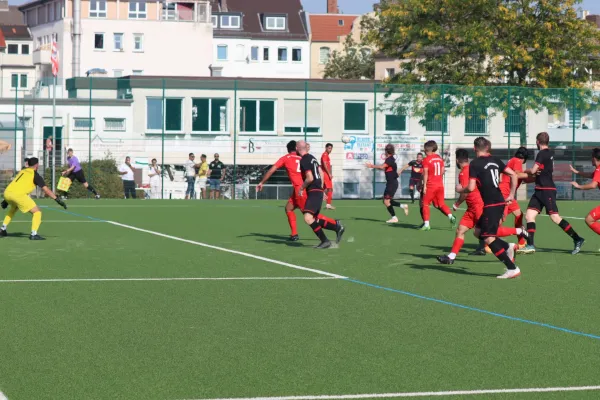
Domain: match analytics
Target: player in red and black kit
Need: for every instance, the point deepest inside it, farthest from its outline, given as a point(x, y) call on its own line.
point(327, 175)
point(313, 187)
point(484, 174)
point(592, 218)
point(291, 162)
point(433, 185)
point(474, 207)
point(544, 196)
point(416, 175)
point(391, 182)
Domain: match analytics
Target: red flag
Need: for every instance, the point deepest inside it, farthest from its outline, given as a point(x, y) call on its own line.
point(54, 58)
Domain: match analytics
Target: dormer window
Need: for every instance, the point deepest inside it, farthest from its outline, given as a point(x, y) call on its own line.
point(275, 23)
point(230, 22)
point(341, 22)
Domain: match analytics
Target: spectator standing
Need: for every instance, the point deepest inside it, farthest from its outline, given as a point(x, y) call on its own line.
point(126, 171)
point(202, 176)
point(216, 173)
point(154, 174)
point(190, 176)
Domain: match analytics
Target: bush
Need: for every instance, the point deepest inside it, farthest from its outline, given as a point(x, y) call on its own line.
point(104, 178)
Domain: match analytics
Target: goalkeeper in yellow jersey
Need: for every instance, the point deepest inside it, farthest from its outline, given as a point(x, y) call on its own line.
point(17, 197)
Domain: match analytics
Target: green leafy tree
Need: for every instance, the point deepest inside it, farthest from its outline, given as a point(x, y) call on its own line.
point(354, 62)
point(520, 46)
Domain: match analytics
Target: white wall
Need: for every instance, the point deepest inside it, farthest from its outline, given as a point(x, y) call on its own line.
point(273, 69)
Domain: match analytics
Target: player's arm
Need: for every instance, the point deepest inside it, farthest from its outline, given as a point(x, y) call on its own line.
point(266, 177)
point(327, 170)
point(461, 199)
point(373, 166)
point(309, 178)
point(39, 182)
point(407, 166)
point(470, 187)
point(514, 182)
point(68, 171)
point(425, 178)
point(591, 185)
point(588, 175)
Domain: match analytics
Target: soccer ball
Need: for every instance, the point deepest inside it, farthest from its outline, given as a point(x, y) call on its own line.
point(346, 139)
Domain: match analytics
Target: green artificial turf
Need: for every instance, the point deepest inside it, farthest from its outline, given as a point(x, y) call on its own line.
point(250, 338)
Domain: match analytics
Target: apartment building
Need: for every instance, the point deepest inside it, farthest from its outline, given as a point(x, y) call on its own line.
point(17, 72)
point(328, 33)
point(260, 39)
point(122, 37)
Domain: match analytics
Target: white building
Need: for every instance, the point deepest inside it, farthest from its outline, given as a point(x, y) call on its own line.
point(132, 37)
point(260, 39)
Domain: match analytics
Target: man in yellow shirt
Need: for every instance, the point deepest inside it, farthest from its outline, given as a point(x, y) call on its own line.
point(203, 176)
point(17, 197)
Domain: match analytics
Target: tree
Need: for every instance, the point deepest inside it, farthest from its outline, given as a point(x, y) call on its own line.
point(521, 46)
point(354, 62)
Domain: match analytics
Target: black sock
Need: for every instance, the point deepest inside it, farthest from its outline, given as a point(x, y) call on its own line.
point(499, 248)
point(568, 229)
point(91, 189)
point(481, 245)
point(326, 225)
point(412, 194)
point(390, 209)
point(531, 232)
point(318, 231)
point(394, 203)
point(421, 211)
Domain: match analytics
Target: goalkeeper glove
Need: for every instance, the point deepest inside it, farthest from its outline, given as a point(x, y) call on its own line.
point(62, 203)
point(4, 204)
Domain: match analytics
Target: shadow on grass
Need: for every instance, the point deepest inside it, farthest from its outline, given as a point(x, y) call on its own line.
point(278, 239)
point(452, 270)
point(20, 235)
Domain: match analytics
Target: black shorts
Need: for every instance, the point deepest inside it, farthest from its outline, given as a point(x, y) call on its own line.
point(416, 182)
point(314, 201)
point(390, 189)
point(543, 199)
point(77, 176)
point(490, 220)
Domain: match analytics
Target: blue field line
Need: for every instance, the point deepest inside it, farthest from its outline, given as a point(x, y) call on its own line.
point(469, 308)
point(417, 296)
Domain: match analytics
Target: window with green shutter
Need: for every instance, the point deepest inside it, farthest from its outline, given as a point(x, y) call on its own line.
point(24, 81)
point(200, 115)
point(475, 119)
point(395, 123)
point(14, 81)
point(435, 120)
point(173, 108)
point(512, 122)
point(257, 116)
point(355, 117)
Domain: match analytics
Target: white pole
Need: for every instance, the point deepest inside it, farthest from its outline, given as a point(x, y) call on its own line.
point(53, 151)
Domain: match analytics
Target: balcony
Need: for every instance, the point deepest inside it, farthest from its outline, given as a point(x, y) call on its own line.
point(186, 11)
point(41, 56)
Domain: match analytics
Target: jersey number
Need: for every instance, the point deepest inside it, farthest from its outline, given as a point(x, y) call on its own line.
point(495, 176)
point(297, 165)
point(437, 169)
point(316, 169)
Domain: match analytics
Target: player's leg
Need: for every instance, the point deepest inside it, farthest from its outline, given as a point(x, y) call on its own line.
point(516, 211)
point(8, 218)
point(291, 217)
point(311, 210)
point(427, 200)
point(443, 207)
point(217, 189)
point(80, 176)
point(592, 220)
point(533, 209)
point(36, 222)
point(503, 251)
point(459, 240)
point(552, 210)
point(411, 190)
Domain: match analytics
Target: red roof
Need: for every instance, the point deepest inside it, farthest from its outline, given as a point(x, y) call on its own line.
point(2, 41)
point(327, 27)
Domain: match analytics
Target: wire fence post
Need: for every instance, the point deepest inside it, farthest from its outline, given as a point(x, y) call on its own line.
point(374, 136)
point(16, 126)
point(443, 118)
point(510, 120)
point(89, 138)
point(573, 111)
point(235, 114)
point(162, 143)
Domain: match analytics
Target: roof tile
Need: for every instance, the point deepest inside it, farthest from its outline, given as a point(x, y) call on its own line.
point(326, 27)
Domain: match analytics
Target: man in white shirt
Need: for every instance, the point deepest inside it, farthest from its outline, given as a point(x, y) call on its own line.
point(190, 176)
point(154, 174)
point(126, 171)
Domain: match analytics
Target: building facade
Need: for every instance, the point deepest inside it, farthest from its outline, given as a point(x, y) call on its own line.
point(328, 33)
point(260, 39)
point(121, 37)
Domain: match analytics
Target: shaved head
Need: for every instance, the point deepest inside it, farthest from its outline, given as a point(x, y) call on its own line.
point(302, 147)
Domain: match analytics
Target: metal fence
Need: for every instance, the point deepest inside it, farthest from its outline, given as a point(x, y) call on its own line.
point(249, 121)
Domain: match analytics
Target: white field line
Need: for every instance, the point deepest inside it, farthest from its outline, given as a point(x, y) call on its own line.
point(249, 278)
point(422, 394)
point(3, 396)
point(539, 215)
point(58, 221)
point(240, 253)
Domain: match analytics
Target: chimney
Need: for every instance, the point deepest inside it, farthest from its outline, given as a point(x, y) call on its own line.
point(332, 7)
point(224, 7)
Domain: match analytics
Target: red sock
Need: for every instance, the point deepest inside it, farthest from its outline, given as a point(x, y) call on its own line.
point(326, 219)
point(329, 197)
point(504, 231)
point(292, 221)
point(445, 209)
point(519, 221)
point(457, 245)
point(596, 227)
point(426, 212)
